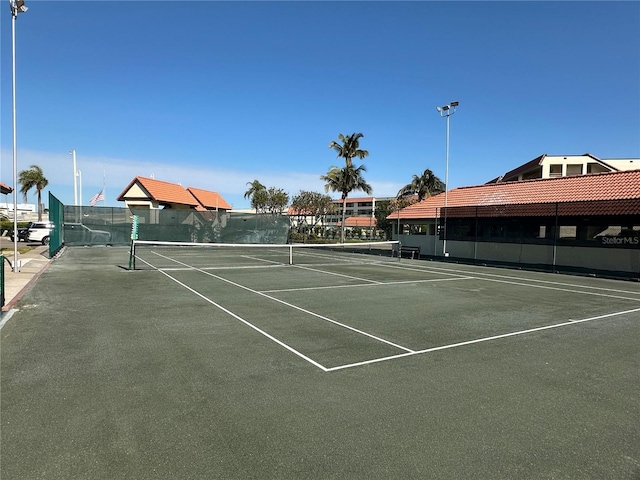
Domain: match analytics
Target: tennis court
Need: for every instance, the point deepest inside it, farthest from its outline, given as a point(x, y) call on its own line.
point(340, 308)
point(317, 363)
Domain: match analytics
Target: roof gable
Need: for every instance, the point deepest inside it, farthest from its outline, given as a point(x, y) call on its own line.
point(525, 168)
point(157, 190)
point(208, 199)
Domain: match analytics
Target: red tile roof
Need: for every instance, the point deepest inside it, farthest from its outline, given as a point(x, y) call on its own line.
point(162, 192)
point(173, 193)
point(292, 211)
point(4, 189)
point(356, 199)
point(612, 187)
point(209, 200)
point(360, 222)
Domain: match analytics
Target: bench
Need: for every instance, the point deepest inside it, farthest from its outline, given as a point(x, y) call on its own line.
point(409, 252)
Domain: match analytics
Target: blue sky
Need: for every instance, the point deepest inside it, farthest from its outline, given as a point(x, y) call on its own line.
point(215, 94)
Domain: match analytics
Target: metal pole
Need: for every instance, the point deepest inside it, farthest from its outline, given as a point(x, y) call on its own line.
point(446, 191)
point(16, 267)
point(80, 191)
point(446, 111)
point(75, 173)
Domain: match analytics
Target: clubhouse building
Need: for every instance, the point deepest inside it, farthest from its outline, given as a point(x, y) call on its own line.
point(586, 223)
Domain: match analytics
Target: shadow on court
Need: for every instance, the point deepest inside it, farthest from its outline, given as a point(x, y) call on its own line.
point(400, 370)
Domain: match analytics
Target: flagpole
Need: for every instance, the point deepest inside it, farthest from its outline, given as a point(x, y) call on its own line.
point(104, 197)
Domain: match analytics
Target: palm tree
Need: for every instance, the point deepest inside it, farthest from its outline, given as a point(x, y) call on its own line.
point(34, 177)
point(349, 148)
point(345, 180)
point(256, 193)
point(424, 185)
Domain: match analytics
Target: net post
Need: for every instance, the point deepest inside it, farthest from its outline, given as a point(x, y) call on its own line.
point(291, 254)
point(132, 258)
point(399, 250)
point(134, 236)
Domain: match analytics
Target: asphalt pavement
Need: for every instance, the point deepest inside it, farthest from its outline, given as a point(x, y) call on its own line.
point(32, 264)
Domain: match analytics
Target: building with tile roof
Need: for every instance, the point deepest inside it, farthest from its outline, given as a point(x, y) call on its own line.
point(209, 200)
point(150, 193)
point(554, 166)
point(533, 222)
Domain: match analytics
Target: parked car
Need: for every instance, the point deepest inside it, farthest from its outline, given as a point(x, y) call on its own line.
point(39, 232)
point(22, 233)
point(80, 234)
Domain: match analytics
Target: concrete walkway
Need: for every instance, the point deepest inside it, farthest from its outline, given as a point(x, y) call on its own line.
point(33, 263)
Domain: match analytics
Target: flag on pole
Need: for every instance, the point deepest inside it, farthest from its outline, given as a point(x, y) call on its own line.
point(98, 197)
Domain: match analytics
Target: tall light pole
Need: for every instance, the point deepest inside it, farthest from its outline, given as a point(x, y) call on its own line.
point(446, 112)
point(75, 174)
point(17, 6)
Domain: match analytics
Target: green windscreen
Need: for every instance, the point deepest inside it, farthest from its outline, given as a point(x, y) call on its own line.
point(85, 225)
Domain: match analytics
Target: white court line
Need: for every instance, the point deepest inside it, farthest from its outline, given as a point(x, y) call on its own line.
point(218, 267)
point(588, 287)
point(408, 351)
point(480, 340)
point(237, 317)
point(403, 282)
point(6, 316)
point(290, 305)
point(522, 282)
point(262, 260)
point(337, 274)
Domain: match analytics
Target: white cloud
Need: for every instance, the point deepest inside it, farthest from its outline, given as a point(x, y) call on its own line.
point(118, 172)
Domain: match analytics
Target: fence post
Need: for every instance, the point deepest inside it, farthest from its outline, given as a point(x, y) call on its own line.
point(2, 281)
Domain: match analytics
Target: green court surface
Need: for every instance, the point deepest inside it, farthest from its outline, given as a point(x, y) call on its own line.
point(342, 366)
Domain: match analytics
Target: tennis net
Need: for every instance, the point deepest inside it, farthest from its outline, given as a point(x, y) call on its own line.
point(176, 255)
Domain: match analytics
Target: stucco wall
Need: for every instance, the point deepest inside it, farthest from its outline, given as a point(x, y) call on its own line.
point(624, 260)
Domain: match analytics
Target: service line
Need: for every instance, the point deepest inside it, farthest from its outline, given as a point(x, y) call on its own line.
point(484, 339)
point(290, 305)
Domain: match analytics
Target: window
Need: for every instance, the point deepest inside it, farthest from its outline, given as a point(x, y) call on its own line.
point(595, 168)
point(568, 232)
point(555, 171)
point(573, 170)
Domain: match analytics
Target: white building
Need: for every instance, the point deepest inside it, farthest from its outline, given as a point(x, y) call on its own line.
point(556, 166)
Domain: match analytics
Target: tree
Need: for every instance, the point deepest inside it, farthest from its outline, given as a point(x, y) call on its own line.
point(349, 148)
point(258, 194)
point(276, 202)
point(345, 180)
point(312, 204)
point(267, 200)
point(33, 178)
point(382, 211)
point(424, 186)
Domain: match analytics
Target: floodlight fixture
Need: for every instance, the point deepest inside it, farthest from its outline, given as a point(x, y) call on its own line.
point(17, 6)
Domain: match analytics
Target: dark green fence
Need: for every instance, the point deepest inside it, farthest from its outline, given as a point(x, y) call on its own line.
point(56, 215)
point(84, 225)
